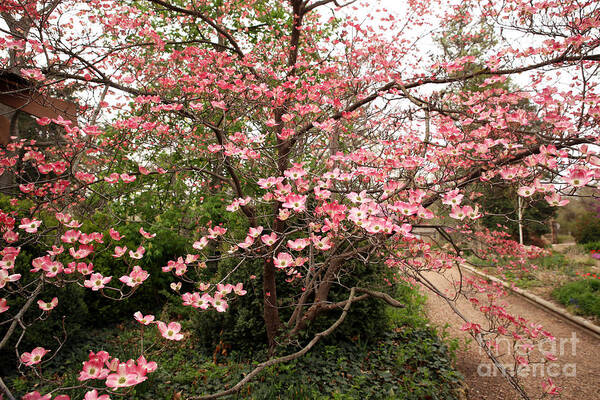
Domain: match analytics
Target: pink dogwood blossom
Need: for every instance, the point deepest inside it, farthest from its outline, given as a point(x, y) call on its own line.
point(119, 251)
point(219, 303)
point(146, 234)
point(579, 177)
point(3, 305)
point(30, 225)
point(171, 331)
point(296, 202)
point(124, 377)
point(269, 240)
point(6, 278)
point(283, 260)
point(115, 235)
point(136, 277)
point(96, 281)
point(47, 306)
point(138, 254)
point(36, 396)
point(35, 357)
point(93, 395)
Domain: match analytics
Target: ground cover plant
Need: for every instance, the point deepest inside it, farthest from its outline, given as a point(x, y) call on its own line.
point(274, 169)
point(404, 360)
point(581, 296)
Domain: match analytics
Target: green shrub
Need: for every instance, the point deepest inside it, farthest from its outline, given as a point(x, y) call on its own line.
point(587, 229)
point(590, 246)
point(367, 319)
point(408, 362)
point(500, 202)
point(242, 326)
point(562, 238)
point(79, 307)
point(582, 296)
point(148, 297)
point(64, 324)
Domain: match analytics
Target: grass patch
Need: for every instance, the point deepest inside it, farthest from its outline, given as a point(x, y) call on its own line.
point(563, 263)
point(527, 275)
point(580, 297)
point(565, 238)
point(591, 246)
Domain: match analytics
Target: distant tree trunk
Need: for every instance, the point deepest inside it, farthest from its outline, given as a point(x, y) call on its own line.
point(553, 231)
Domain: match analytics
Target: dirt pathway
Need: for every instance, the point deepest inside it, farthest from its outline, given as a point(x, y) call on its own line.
point(577, 369)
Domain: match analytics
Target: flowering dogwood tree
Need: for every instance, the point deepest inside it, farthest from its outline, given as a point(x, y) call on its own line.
point(322, 125)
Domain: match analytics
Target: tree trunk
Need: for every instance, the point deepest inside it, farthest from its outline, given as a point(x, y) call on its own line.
point(271, 312)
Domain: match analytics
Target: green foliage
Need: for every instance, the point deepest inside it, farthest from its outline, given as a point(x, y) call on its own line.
point(580, 218)
point(412, 314)
point(562, 238)
point(500, 201)
point(581, 296)
point(367, 319)
point(149, 296)
point(79, 307)
point(559, 262)
point(405, 364)
point(408, 362)
point(64, 324)
point(242, 326)
point(589, 246)
point(555, 261)
point(587, 229)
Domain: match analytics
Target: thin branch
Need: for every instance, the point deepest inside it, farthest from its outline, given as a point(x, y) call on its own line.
point(308, 8)
point(6, 390)
point(287, 358)
point(17, 318)
point(204, 18)
point(422, 82)
point(382, 296)
point(235, 180)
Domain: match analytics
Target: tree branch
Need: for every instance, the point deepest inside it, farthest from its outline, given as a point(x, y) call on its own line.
point(422, 82)
point(6, 390)
point(194, 13)
point(287, 358)
point(382, 296)
point(17, 318)
point(308, 8)
point(235, 180)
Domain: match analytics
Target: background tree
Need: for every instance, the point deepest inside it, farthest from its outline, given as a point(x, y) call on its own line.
point(580, 218)
point(498, 197)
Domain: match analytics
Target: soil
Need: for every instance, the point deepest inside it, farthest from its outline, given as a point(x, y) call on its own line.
point(576, 371)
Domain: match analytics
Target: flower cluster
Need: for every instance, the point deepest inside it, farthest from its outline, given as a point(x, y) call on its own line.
point(116, 374)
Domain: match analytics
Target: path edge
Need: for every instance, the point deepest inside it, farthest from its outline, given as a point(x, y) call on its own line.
point(581, 322)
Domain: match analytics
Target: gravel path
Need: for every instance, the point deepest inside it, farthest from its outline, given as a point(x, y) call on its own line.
point(577, 370)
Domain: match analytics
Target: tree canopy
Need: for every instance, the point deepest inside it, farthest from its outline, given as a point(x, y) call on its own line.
point(294, 144)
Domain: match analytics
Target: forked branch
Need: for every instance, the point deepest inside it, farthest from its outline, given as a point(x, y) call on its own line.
point(287, 358)
point(347, 303)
